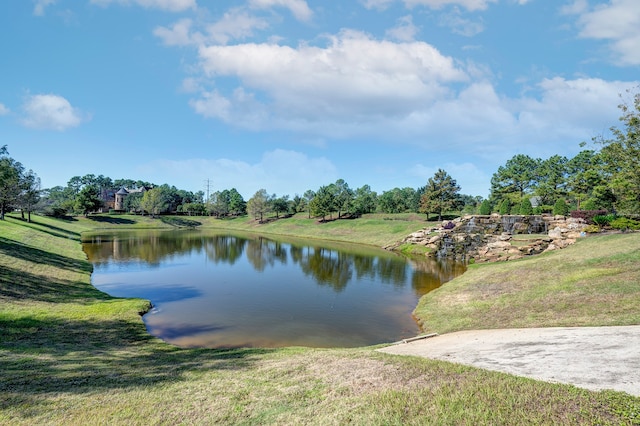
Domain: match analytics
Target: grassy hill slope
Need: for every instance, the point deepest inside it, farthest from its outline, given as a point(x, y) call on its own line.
point(70, 354)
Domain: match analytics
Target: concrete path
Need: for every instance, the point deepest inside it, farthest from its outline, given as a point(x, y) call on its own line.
point(594, 358)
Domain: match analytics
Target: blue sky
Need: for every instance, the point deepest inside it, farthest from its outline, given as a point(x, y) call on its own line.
point(289, 95)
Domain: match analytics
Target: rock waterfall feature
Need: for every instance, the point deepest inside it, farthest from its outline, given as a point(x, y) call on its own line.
point(497, 237)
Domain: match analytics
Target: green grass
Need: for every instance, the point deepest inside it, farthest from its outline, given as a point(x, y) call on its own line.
point(374, 229)
point(592, 283)
point(72, 355)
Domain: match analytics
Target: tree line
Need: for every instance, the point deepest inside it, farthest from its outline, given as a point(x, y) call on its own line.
point(606, 177)
point(19, 188)
point(89, 193)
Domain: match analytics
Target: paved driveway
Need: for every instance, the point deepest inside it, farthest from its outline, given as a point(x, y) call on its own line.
point(595, 358)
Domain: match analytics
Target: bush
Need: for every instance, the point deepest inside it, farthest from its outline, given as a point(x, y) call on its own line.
point(592, 229)
point(590, 204)
point(449, 225)
point(525, 207)
point(505, 207)
point(560, 207)
point(603, 220)
point(57, 212)
point(544, 208)
point(587, 215)
point(624, 224)
point(485, 208)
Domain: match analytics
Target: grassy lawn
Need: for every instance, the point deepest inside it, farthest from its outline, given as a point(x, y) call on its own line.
point(371, 229)
point(592, 283)
point(70, 354)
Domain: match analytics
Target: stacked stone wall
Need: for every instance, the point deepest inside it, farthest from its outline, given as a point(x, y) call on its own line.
point(495, 237)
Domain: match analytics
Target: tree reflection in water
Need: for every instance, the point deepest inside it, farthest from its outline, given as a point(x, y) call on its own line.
point(245, 276)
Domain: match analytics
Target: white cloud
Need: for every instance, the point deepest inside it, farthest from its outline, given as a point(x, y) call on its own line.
point(4, 110)
point(494, 128)
point(191, 85)
point(357, 87)
point(437, 4)
point(168, 5)
point(471, 5)
point(299, 8)
point(50, 112)
point(212, 105)
point(555, 112)
point(179, 34)
point(354, 79)
point(575, 8)
point(235, 24)
point(273, 172)
point(40, 6)
point(460, 25)
point(376, 4)
point(405, 30)
point(617, 22)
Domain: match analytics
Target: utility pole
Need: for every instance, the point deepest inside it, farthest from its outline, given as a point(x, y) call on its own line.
point(208, 184)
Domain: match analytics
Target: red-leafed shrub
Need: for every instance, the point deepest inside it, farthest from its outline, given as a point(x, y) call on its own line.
point(587, 215)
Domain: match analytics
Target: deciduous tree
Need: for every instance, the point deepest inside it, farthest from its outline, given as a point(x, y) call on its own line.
point(280, 204)
point(10, 181)
point(259, 204)
point(364, 201)
point(30, 194)
point(622, 157)
point(323, 203)
point(88, 199)
point(398, 200)
point(154, 201)
point(308, 196)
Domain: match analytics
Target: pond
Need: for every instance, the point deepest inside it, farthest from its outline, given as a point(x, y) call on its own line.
point(240, 290)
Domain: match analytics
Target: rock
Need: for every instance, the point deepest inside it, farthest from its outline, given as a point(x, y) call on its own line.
point(573, 235)
point(555, 233)
point(487, 238)
point(505, 237)
point(498, 245)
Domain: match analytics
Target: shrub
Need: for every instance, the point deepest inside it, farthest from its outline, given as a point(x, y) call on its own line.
point(560, 207)
point(525, 207)
point(590, 204)
point(544, 208)
point(505, 207)
point(592, 229)
point(485, 208)
point(603, 220)
point(449, 225)
point(624, 223)
point(587, 215)
point(57, 212)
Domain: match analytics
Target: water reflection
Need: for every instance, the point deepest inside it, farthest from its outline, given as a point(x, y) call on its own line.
point(244, 290)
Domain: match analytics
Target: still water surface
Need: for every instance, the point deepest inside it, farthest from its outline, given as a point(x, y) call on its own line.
point(233, 290)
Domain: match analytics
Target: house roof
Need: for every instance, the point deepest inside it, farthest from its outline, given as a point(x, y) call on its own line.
point(122, 192)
